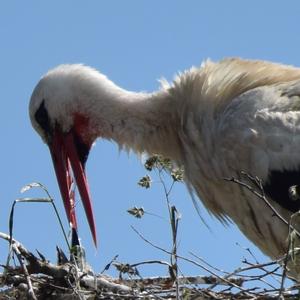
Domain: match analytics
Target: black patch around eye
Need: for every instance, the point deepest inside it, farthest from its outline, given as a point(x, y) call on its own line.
point(277, 188)
point(42, 118)
point(83, 149)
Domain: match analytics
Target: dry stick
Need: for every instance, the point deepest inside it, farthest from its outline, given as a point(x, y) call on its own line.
point(75, 286)
point(165, 281)
point(257, 266)
point(290, 227)
point(221, 279)
point(7, 237)
point(205, 262)
point(30, 292)
point(251, 267)
point(101, 283)
point(286, 259)
point(272, 274)
point(263, 197)
point(250, 278)
point(17, 247)
point(160, 262)
point(59, 272)
point(262, 277)
point(239, 270)
point(183, 280)
point(262, 266)
point(36, 265)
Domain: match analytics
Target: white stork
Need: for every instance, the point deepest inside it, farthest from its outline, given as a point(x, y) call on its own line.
point(215, 120)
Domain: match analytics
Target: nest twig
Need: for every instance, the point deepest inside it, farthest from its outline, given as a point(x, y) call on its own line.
point(37, 278)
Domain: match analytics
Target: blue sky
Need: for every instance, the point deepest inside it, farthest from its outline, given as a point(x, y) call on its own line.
point(134, 43)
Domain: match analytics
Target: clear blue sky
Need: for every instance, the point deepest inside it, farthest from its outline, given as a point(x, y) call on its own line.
point(134, 43)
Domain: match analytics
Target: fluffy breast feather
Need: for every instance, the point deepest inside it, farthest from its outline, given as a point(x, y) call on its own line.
point(241, 116)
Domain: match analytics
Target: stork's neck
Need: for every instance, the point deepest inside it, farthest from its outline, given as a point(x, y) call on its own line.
point(143, 122)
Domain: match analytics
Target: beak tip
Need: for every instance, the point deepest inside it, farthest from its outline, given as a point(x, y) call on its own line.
point(95, 242)
point(93, 231)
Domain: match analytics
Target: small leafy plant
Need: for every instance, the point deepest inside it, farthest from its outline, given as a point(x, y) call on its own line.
point(163, 166)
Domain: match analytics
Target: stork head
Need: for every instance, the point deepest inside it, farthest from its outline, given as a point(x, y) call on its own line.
point(60, 111)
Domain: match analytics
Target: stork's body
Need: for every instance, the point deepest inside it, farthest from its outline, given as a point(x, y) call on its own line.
point(216, 121)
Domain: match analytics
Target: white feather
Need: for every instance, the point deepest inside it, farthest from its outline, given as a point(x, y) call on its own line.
point(216, 120)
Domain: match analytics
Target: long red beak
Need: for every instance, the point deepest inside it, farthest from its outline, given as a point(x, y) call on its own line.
point(65, 157)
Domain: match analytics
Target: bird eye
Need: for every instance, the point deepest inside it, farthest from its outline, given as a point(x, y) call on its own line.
point(42, 118)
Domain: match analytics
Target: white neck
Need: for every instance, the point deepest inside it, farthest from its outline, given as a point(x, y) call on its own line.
point(143, 122)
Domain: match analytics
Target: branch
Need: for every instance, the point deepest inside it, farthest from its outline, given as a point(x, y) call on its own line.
point(263, 197)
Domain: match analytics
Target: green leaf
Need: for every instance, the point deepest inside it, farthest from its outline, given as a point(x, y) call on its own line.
point(145, 182)
point(166, 163)
point(43, 200)
point(30, 186)
point(137, 212)
point(177, 174)
point(151, 162)
point(11, 222)
point(126, 268)
point(158, 161)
